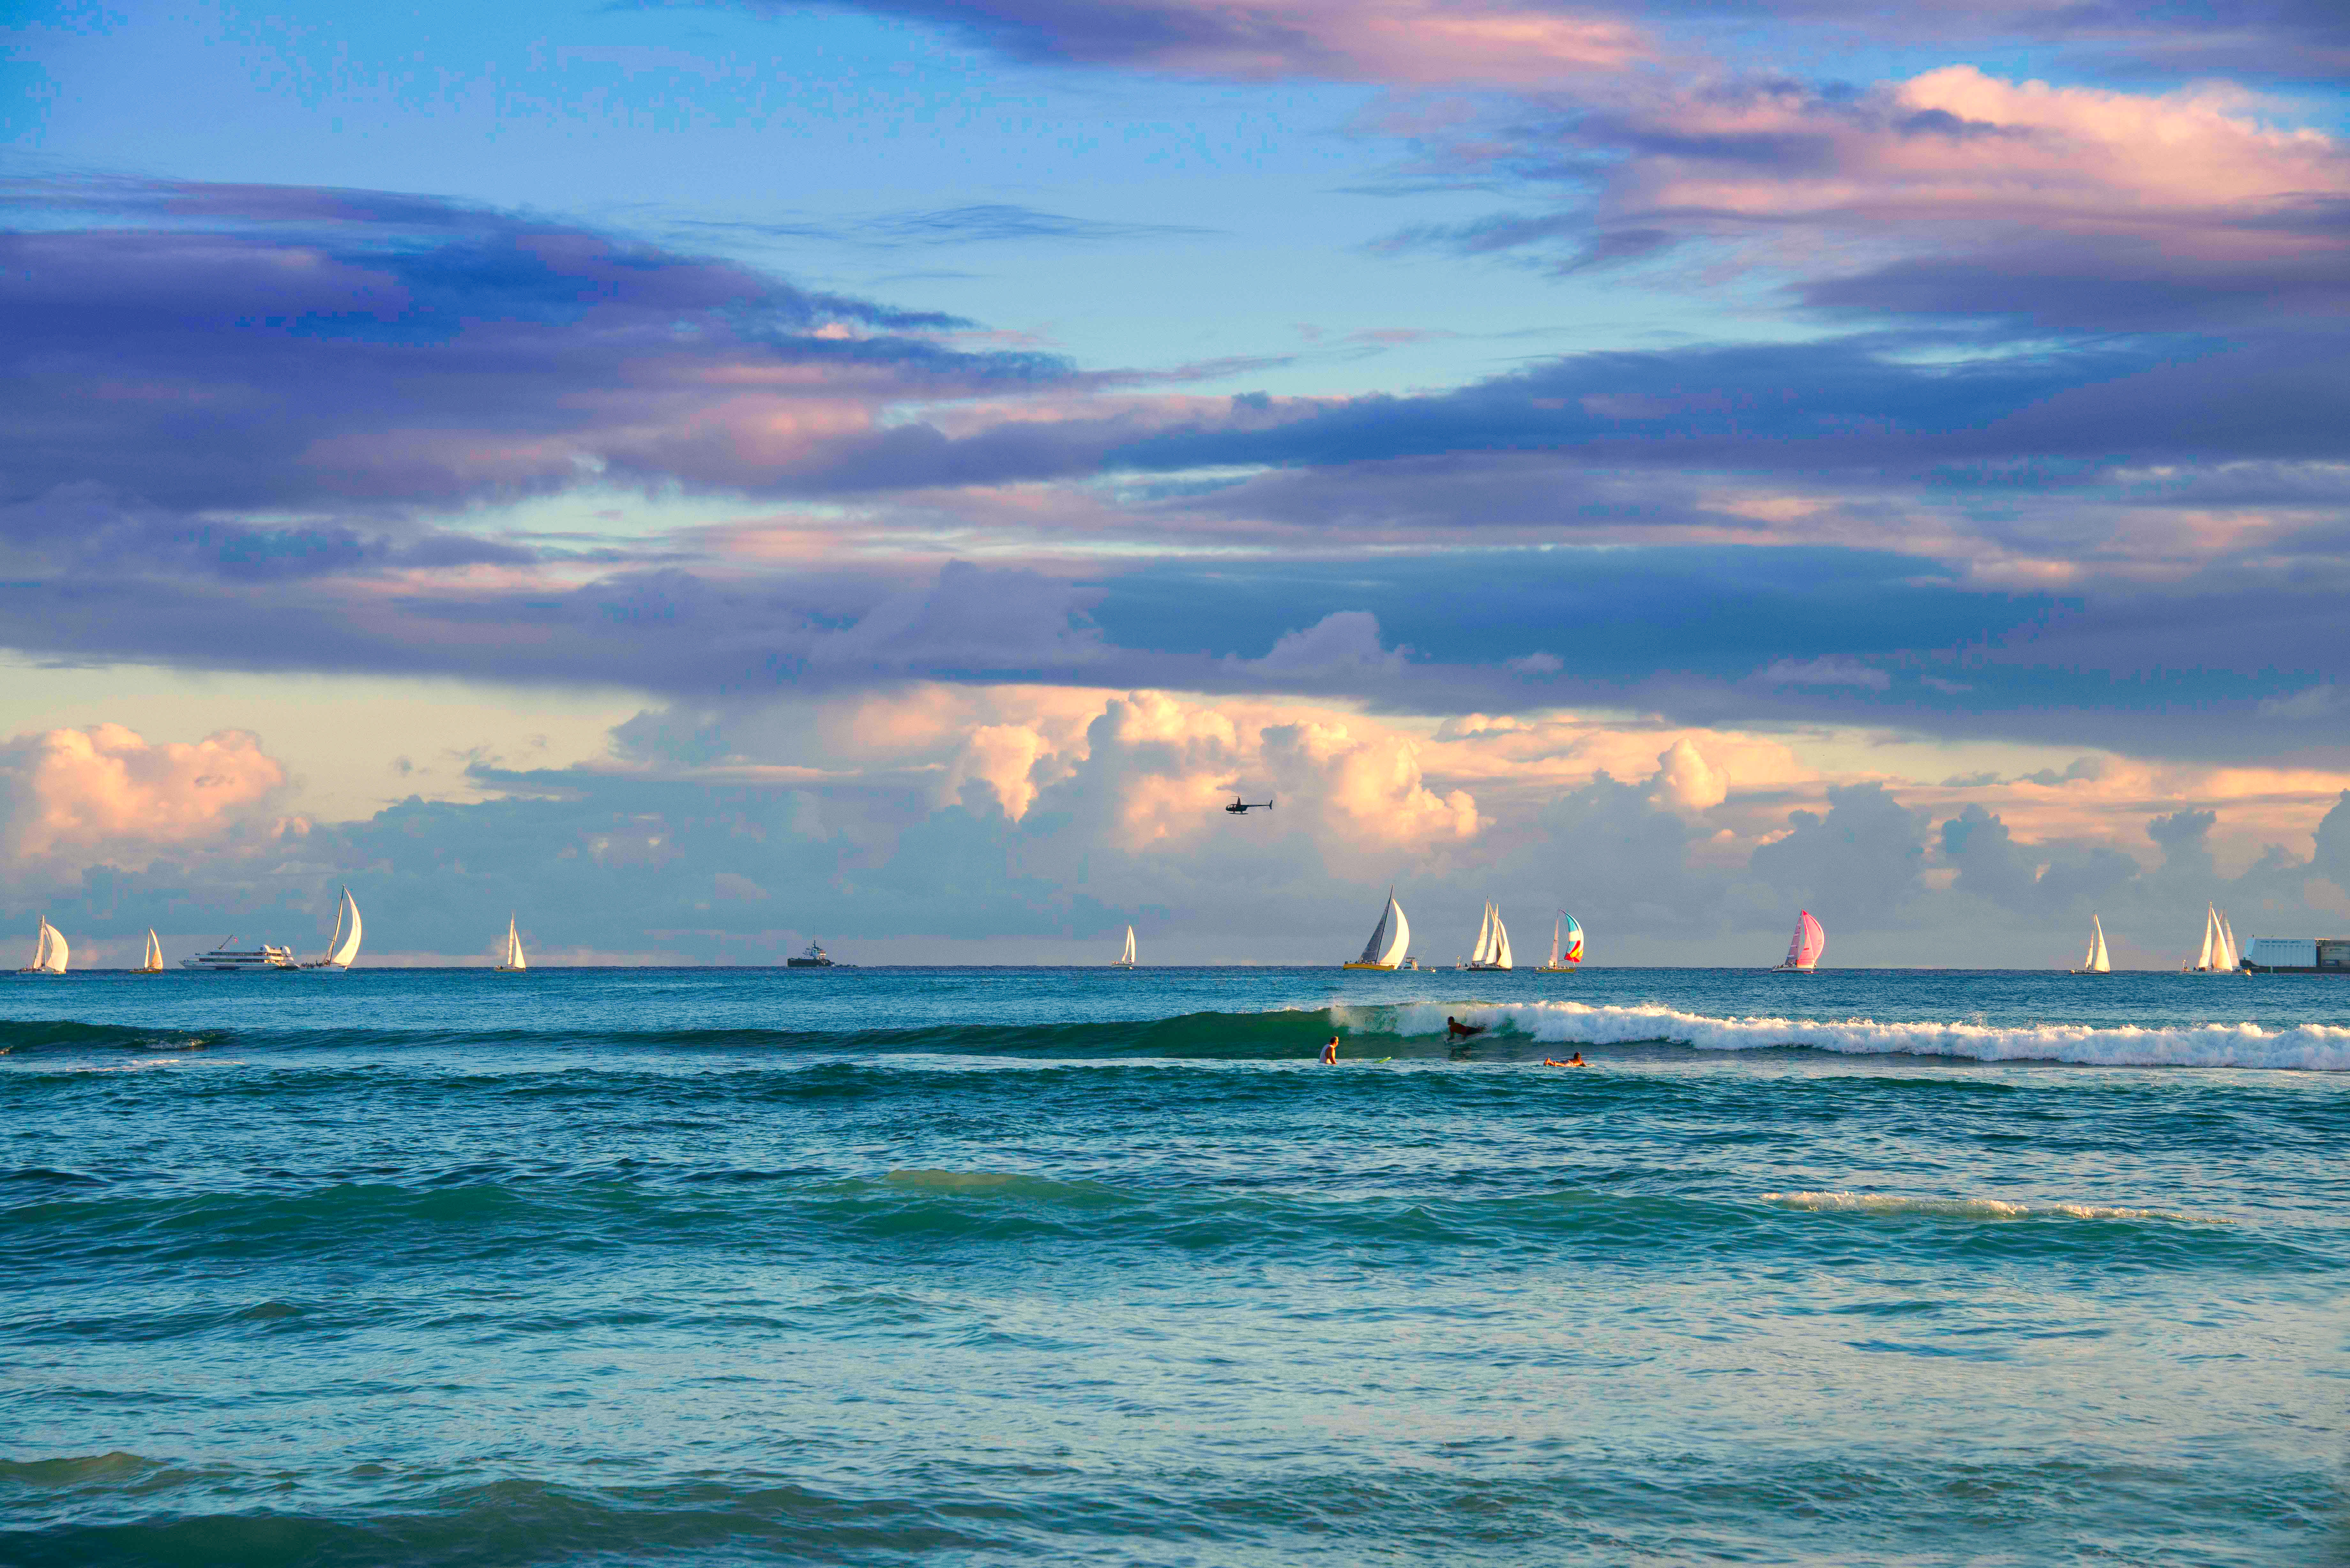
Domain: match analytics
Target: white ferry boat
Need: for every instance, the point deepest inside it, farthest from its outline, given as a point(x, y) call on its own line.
point(227, 960)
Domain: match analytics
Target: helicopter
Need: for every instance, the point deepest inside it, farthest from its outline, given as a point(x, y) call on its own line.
point(1239, 807)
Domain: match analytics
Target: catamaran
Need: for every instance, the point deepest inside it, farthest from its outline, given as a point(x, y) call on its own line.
point(1125, 958)
point(2219, 955)
point(2096, 962)
point(343, 946)
point(1565, 945)
point(511, 961)
point(1493, 950)
point(1390, 938)
point(49, 951)
point(1804, 949)
point(154, 962)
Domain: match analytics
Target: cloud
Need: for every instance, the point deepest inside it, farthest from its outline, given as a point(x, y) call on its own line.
point(1342, 646)
point(271, 347)
point(986, 223)
point(1685, 780)
point(2311, 702)
point(1534, 43)
point(107, 796)
point(1950, 193)
point(1828, 672)
point(1413, 41)
point(1026, 822)
point(407, 440)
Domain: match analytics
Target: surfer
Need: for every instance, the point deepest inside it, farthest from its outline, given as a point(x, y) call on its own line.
point(1575, 1061)
point(1330, 1053)
point(1460, 1030)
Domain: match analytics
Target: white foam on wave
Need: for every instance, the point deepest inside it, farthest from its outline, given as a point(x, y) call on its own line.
point(2308, 1047)
point(1972, 1208)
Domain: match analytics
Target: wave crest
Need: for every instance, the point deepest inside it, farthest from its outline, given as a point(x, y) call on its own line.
point(1972, 1208)
point(2309, 1047)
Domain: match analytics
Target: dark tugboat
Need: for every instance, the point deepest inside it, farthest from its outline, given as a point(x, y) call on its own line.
point(814, 958)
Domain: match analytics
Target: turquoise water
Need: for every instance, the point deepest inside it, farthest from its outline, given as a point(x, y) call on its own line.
point(969, 1266)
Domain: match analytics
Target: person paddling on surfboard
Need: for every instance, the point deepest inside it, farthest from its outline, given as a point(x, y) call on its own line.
point(1460, 1030)
point(1330, 1053)
point(1575, 1061)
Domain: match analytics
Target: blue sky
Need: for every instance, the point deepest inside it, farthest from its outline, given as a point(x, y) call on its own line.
point(1589, 449)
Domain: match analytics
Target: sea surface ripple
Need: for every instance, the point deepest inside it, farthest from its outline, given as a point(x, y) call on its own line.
point(901, 1266)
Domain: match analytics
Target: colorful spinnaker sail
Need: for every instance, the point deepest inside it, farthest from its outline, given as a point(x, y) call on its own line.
point(1805, 948)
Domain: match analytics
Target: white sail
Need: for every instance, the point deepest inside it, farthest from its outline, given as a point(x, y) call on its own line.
point(49, 950)
point(2099, 962)
point(1126, 954)
point(1390, 940)
point(1482, 952)
point(513, 959)
point(1560, 920)
point(2230, 959)
point(154, 958)
point(343, 951)
point(2210, 936)
point(1500, 958)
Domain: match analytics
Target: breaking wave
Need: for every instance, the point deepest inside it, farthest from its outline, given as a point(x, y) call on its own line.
point(2309, 1047)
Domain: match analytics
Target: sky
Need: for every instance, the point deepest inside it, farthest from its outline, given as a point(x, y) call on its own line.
point(704, 478)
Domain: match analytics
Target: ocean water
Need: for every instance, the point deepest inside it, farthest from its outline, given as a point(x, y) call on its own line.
point(978, 1267)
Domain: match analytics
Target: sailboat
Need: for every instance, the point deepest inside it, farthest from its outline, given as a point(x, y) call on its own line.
point(1389, 938)
point(511, 962)
point(1565, 945)
point(154, 962)
point(49, 951)
point(1804, 949)
point(1493, 950)
point(2095, 961)
point(1125, 958)
point(2219, 955)
point(344, 945)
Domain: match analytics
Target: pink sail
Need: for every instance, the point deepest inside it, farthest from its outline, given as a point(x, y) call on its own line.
point(1808, 943)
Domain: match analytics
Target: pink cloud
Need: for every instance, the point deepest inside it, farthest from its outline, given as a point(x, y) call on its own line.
point(106, 793)
point(1406, 41)
point(1950, 189)
point(1958, 145)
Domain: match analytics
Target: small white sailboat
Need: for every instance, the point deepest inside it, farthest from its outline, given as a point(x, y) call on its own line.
point(1125, 958)
point(1493, 950)
point(2219, 955)
point(1390, 938)
point(2096, 962)
point(511, 961)
point(344, 945)
point(154, 962)
point(1565, 945)
point(49, 951)
point(1804, 949)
